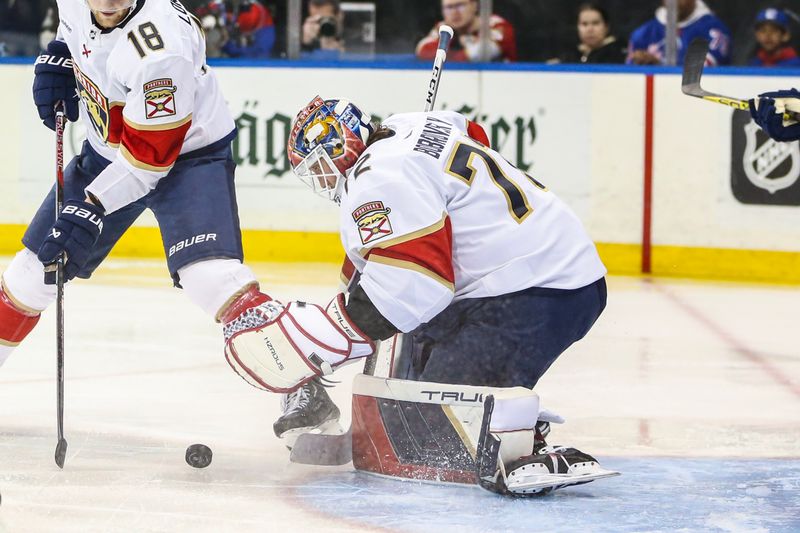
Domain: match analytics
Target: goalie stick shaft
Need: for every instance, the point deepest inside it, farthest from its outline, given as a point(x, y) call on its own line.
point(693, 66)
point(334, 450)
point(445, 36)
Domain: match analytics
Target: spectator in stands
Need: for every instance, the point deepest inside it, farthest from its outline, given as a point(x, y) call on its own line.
point(773, 36)
point(463, 16)
point(695, 19)
point(20, 24)
point(596, 44)
point(215, 20)
point(253, 33)
point(322, 28)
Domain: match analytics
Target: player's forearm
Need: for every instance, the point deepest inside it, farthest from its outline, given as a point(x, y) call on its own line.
point(117, 186)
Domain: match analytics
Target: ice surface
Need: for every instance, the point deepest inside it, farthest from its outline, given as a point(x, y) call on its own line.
point(692, 390)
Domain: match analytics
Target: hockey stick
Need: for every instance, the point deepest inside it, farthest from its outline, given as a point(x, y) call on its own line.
point(61, 447)
point(693, 72)
point(445, 36)
point(335, 450)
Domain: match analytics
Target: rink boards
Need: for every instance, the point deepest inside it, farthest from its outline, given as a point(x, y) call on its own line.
point(664, 183)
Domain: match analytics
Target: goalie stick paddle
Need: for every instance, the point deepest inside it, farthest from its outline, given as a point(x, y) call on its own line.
point(693, 66)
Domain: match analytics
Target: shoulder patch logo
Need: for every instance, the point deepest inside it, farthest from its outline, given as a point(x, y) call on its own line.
point(373, 222)
point(159, 98)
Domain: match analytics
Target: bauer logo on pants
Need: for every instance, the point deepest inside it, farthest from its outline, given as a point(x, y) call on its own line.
point(373, 222)
point(763, 171)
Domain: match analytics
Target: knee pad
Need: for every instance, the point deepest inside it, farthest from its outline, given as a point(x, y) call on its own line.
point(23, 295)
point(213, 284)
point(24, 283)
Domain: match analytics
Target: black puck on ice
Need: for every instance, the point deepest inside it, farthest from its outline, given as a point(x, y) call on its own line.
point(198, 455)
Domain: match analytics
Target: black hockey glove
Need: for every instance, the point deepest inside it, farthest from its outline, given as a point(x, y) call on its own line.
point(54, 81)
point(766, 115)
point(75, 233)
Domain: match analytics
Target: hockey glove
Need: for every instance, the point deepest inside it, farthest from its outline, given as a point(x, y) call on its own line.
point(768, 111)
point(279, 347)
point(54, 81)
point(74, 233)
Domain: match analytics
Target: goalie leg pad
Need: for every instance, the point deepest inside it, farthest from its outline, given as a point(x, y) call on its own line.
point(546, 469)
point(430, 431)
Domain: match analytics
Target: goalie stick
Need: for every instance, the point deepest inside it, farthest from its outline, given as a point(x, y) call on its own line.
point(693, 72)
point(334, 450)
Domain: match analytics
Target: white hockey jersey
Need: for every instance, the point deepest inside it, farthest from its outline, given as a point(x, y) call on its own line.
point(431, 215)
point(147, 94)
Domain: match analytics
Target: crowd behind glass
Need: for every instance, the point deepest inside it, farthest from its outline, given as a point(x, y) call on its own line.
point(749, 32)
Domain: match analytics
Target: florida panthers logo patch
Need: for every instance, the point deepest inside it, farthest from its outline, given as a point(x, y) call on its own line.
point(97, 105)
point(373, 222)
point(159, 98)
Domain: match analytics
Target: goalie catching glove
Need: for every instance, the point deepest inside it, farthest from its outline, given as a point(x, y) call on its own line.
point(279, 347)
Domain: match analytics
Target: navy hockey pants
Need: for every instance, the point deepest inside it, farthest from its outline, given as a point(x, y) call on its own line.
point(502, 341)
point(195, 206)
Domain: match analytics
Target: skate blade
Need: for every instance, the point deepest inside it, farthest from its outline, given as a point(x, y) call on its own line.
point(331, 427)
point(555, 481)
point(323, 450)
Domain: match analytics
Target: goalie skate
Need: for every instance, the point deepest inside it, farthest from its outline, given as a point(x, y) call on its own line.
point(554, 467)
point(547, 469)
point(308, 409)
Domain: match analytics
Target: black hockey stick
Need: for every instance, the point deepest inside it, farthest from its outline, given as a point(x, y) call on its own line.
point(693, 66)
point(61, 447)
point(334, 450)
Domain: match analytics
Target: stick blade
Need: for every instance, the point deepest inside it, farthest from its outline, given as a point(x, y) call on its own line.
point(61, 452)
point(693, 65)
point(323, 450)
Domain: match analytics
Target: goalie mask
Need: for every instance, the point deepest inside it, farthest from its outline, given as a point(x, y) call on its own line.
point(327, 138)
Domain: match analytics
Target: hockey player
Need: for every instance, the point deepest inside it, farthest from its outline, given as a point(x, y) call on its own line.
point(490, 272)
point(159, 133)
point(647, 45)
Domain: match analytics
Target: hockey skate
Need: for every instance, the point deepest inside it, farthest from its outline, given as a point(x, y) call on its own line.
point(308, 409)
point(549, 467)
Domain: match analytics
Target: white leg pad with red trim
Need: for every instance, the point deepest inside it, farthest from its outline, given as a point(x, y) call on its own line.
point(211, 284)
point(394, 419)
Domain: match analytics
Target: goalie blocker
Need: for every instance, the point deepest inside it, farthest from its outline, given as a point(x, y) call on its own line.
point(461, 434)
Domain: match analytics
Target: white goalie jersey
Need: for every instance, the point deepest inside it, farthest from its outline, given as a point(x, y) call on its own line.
point(431, 215)
point(147, 94)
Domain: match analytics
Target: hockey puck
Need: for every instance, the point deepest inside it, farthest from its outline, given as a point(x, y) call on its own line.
point(198, 455)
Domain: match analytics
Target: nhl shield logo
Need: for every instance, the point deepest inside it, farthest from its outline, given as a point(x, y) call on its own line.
point(761, 162)
point(373, 222)
point(763, 171)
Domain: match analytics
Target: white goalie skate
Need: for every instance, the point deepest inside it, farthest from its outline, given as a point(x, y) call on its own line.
point(547, 469)
point(554, 467)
